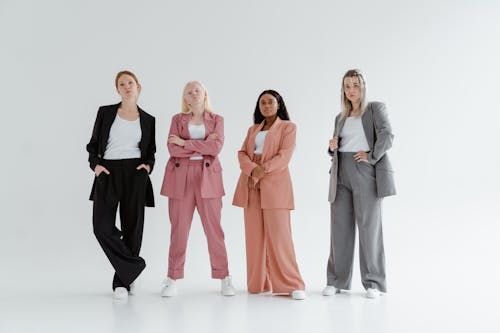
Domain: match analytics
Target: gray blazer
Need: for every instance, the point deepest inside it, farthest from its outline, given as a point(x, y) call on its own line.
point(379, 135)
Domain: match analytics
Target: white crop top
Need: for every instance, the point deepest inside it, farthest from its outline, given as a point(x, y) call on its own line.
point(196, 132)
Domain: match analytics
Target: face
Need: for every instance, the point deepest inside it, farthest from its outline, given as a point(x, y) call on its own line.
point(128, 88)
point(194, 94)
point(268, 105)
point(352, 89)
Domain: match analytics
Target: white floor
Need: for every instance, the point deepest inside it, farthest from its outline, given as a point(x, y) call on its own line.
point(442, 276)
point(196, 310)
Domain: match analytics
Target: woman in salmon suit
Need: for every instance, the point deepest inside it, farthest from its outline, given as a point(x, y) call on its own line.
point(265, 192)
point(193, 178)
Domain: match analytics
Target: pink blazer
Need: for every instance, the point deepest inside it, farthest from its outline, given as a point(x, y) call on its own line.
point(276, 185)
point(174, 180)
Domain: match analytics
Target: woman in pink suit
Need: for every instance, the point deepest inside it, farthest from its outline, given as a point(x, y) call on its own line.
point(193, 178)
point(265, 192)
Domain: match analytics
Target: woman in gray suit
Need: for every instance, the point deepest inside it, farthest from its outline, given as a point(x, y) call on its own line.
point(360, 176)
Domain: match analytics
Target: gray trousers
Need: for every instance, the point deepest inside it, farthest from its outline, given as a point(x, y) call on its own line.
point(356, 202)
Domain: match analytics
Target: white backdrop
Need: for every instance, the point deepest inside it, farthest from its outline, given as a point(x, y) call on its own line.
point(434, 63)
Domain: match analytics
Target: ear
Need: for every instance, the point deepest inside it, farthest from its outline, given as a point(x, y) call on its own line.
point(139, 87)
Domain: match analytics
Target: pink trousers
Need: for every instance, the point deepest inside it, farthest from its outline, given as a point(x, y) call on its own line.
point(271, 262)
point(181, 215)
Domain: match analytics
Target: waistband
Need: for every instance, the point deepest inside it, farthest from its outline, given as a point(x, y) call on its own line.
point(346, 153)
point(195, 162)
point(123, 162)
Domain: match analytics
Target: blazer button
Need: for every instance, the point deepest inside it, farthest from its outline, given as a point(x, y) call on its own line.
point(177, 165)
point(207, 164)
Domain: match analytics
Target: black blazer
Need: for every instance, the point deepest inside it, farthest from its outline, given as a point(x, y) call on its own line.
point(99, 140)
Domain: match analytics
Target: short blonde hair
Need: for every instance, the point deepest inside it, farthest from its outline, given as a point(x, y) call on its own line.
point(185, 107)
point(345, 102)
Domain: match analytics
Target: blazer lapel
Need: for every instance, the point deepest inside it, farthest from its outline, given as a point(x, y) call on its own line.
point(367, 121)
point(269, 136)
point(106, 125)
point(251, 140)
point(339, 126)
point(184, 130)
point(145, 128)
point(209, 120)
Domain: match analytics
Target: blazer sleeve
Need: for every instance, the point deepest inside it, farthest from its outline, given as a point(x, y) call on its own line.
point(208, 147)
point(329, 151)
point(173, 149)
point(93, 145)
point(383, 133)
point(246, 164)
point(280, 161)
point(151, 150)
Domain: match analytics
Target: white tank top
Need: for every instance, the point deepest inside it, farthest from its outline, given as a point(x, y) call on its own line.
point(259, 142)
point(196, 132)
point(353, 136)
point(123, 140)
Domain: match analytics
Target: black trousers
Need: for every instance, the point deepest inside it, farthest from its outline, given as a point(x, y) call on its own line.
point(124, 187)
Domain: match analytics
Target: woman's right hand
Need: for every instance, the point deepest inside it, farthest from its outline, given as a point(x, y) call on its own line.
point(258, 172)
point(99, 168)
point(334, 143)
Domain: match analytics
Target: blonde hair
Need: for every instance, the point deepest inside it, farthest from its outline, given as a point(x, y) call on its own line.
point(345, 102)
point(186, 108)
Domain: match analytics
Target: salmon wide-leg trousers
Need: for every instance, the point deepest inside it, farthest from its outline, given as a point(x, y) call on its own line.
point(181, 215)
point(271, 262)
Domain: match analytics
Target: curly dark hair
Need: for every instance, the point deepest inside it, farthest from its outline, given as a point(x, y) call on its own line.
point(282, 112)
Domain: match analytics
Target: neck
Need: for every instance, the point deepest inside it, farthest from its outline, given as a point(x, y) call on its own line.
point(269, 121)
point(197, 112)
point(128, 106)
point(356, 109)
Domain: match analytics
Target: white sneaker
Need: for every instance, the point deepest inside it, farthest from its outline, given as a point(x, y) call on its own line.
point(226, 287)
point(330, 291)
point(120, 293)
point(169, 288)
point(132, 288)
point(298, 294)
point(372, 293)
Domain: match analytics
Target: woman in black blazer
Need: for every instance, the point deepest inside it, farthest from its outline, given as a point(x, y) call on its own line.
point(121, 154)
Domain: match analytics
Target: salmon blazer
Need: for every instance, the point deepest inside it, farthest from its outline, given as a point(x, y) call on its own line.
point(378, 132)
point(276, 186)
point(174, 180)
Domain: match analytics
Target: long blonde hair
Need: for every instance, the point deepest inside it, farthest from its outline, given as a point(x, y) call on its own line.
point(345, 102)
point(185, 107)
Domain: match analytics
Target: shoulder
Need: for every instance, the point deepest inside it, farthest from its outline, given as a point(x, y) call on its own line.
point(108, 108)
point(146, 115)
point(288, 126)
point(178, 117)
point(377, 107)
point(253, 128)
point(216, 117)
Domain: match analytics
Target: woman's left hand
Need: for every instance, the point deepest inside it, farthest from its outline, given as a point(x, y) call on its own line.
point(212, 136)
point(144, 166)
point(361, 156)
point(175, 140)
